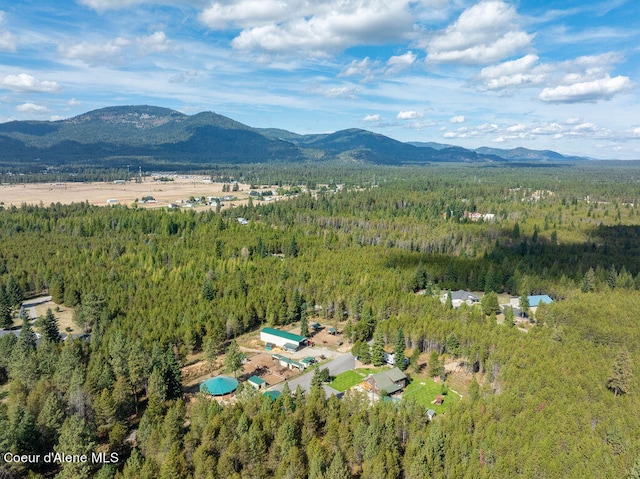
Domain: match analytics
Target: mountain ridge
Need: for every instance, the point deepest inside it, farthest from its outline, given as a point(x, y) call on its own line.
point(118, 135)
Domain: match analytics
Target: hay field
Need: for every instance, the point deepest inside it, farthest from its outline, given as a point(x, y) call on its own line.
point(165, 192)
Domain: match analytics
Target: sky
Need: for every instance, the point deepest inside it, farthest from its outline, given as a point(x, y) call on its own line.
point(541, 74)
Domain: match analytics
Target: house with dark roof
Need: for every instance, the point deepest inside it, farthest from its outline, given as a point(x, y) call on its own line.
point(387, 382)
point(459, 297)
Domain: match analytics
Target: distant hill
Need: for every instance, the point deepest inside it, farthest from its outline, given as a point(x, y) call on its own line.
point(161, 138)
point(526, 154)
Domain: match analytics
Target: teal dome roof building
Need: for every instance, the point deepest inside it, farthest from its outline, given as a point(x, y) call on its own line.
point(219, 386)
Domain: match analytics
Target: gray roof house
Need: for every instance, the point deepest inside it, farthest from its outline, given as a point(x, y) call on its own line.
point(389, 381)
point(459, 297)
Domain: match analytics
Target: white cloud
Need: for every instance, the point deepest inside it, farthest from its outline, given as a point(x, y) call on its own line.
point(409, 115)
point(313, 27)
point(74, 102)
point(519, 128)
point(117, 50)
point(484, 33)
point(247, 13)
point(457, 119)
point(587, 91)
point(156, 42)
point(95, 52)
point(7, 41)
point(365, 68)
point(514, 73)
point(343, 91)
point(400, 62)
point(102, 5)
point(32, 108)
point(24, 82)
point(377, 117)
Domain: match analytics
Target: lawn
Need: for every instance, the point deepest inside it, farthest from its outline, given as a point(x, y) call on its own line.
point(425, 390)
point(346, 380)
point(367, 371)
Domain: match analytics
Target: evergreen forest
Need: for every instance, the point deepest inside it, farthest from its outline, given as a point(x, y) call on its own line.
point(369, 250)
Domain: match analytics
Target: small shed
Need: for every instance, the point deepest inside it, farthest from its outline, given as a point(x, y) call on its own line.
point(257, 383)
point(332, 331)
point(316, 326)
point(431, 414)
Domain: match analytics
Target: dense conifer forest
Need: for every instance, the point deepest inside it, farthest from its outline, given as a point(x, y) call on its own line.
point(157, 289)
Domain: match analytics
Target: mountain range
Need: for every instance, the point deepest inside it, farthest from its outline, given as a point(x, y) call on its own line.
point(156, 137)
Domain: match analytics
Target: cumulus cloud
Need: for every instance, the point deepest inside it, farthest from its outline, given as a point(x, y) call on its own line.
point(510, 74)
point(587, 91)
point(519, 132)
point(117, 50)
point(484, 33)
point(372, 118)
point(24, 82)
point(457, 119)
point(409, 115)
point(314, 27)
point(582, 79)
point(32, 108)
point(7, 41)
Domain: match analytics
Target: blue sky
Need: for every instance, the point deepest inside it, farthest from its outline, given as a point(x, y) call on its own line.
point(561, 75)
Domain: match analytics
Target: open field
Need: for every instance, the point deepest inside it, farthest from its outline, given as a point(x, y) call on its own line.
point(165, 192)
point(425, 390)
point(346, 380)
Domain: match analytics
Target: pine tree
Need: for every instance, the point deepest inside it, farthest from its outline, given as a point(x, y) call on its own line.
point(75, 439)
point(509, 317)
point(399, 354)
point(304, 325)
point(435, 365)
point(490, 303)
point(589, 281)
point(377, 348)
point(621, 374)
point(474, 390)
point(292, 249)
point(6, 321)
point(234, 358)
point(208, 291)
point(415, 360)
point(338, 469)
point(49, 327)
point(14, 291)
point(173, 375)
point(449, 303)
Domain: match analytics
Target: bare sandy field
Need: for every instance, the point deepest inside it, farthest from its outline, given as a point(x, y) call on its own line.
point(165, 192)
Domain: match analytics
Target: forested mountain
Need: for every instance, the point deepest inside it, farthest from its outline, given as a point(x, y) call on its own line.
point(157, 289)
point(154, 137)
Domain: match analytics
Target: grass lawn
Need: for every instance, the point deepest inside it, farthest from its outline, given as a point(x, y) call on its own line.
point(367, 371)
point(425, 390)
point(346, 380)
